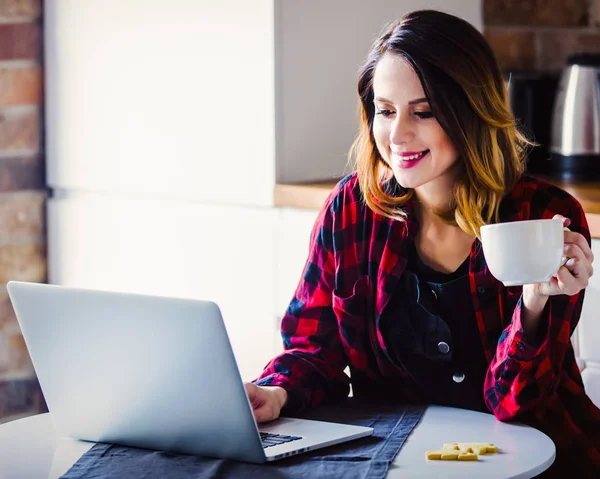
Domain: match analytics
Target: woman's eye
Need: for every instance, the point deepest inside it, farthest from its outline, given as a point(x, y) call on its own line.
point(424, 114)
point(384, 112)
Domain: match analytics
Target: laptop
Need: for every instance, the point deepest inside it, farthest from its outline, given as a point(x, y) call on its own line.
point(151, 372)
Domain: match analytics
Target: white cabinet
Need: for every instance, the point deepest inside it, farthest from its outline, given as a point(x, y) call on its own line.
point(587, 335)
point(589, 326)
point(175, 249)
point(247, 260)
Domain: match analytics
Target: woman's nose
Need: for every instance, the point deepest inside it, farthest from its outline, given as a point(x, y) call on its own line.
point(402, 131)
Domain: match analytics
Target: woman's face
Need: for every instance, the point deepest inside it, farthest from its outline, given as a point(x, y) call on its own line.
point(408, 137)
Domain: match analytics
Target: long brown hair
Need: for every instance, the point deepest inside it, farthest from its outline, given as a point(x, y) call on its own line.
point(464, 86)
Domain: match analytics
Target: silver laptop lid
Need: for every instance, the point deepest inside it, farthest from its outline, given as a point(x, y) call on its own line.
point(139, 370)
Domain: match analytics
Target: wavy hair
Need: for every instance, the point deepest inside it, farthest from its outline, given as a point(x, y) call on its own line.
point(465, 89)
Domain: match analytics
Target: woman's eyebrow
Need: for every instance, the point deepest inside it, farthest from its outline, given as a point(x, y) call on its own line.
point(383, 100)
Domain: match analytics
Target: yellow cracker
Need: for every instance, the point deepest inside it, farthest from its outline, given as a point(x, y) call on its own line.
point(478, 447)
point(468, 456)
point(433, 455)
point(461, 451)
point(450, 455)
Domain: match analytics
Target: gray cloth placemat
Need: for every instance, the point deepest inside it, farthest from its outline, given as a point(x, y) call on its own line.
point(368, 457)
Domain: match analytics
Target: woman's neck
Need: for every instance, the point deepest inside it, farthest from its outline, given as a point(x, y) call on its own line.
point(432, 200)
point(441, 246)
point(438, 194)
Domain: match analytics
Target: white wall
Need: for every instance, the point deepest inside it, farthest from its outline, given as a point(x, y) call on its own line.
point(320, 46)
point(170, 98)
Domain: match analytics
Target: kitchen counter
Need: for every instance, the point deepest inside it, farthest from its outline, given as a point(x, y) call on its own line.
point(312, 195)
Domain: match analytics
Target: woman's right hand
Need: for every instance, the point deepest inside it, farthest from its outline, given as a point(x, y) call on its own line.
point(266, 401)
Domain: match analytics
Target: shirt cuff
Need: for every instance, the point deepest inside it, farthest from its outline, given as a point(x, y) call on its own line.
point(524, 347)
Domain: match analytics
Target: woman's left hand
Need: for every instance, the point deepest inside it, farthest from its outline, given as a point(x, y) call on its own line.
point(575, 274)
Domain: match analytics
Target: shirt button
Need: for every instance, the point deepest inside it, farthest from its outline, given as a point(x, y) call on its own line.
point(443, 347)
point(458, 377)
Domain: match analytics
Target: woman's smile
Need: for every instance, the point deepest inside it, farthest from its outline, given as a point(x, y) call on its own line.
point(408, 159)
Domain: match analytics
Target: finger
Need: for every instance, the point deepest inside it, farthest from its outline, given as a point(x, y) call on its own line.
point(264, 413)
point(573, 251)
point(579, 240)
point(250, 388)
point(260, 414)
point(252, 391)
point(567, 283)
point(551, 287)
point(566, 221)
point(578, 269)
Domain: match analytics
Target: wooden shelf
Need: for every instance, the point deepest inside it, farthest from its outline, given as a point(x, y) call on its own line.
point(309, 196)
point(586, 192)
point(312, 196)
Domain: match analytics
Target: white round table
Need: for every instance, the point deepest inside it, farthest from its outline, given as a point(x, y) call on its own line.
point(30, 448)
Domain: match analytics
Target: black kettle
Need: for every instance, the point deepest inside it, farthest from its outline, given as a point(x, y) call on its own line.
point(530, 95)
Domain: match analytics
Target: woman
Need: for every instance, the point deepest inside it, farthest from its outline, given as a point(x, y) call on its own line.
point(396, 285)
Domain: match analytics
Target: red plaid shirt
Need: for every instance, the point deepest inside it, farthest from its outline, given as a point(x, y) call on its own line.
point(357, 254)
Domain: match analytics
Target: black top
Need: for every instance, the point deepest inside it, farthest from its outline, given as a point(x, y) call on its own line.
point(431, 332)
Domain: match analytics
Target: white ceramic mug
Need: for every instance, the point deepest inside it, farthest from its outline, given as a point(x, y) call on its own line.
point(523, 252)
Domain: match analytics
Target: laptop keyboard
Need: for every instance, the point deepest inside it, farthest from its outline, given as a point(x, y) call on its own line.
point(269, 439)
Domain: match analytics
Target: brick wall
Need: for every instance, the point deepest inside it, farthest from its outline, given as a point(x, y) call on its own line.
point(22, 192)
point(540, 34)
